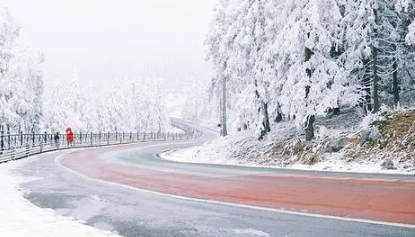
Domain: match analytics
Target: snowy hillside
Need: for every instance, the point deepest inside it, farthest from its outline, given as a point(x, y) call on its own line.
point(380, 143)
point(292, 77)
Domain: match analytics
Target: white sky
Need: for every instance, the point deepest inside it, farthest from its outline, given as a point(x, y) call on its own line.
point(105, 39)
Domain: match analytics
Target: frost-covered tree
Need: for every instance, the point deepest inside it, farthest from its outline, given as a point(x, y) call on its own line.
point(235, 43)
point(9, 31)
point(21, 81)
point(410, 38)
point(127, 106)
point(408, 7)
point(313, 78)
point(25, 69)
point(219, 42)
point(298, 59)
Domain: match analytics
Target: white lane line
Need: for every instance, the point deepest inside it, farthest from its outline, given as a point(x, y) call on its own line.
point(58, 163)
point(343, 178)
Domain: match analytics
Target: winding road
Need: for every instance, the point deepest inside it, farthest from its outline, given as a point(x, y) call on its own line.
point(129, 190)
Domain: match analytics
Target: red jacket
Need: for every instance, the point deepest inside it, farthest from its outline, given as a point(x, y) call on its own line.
point(69, 135)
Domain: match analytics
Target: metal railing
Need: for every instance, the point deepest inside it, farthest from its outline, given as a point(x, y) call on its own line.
point(19, 146)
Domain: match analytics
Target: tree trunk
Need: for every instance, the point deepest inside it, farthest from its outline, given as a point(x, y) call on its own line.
point(264, 110)
point(374, 90)
point(278, 118)
point(310, 118)
point(265, 123)
point(395, 83)
point(309, 128)
point(366, 83)
point(224, 129)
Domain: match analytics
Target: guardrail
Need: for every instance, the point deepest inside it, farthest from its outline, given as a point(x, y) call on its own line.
point(19, 146)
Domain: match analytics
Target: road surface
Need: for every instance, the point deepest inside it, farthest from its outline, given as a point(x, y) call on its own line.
point(82, 184)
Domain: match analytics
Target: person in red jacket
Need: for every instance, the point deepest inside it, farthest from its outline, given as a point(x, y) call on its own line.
point(69, 136)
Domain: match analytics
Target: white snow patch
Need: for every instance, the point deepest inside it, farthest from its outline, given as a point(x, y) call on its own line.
point(343, 166)
point(251, 232)
point(218, 155)
point(20, 218)
point(194, 155)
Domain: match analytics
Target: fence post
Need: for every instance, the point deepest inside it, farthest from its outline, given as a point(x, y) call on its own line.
point(13, 153)
point(92, 141)
point(33, 137)
point(8, 137)
point(21, 138)
point(99, 138)
point(80, 138)
point(1, 139)
point(27, 150)
point(57, 140)
point(108, 138)
point(131, 137)
point(144, 137)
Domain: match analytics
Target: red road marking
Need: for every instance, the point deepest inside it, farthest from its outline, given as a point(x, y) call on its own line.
point(378, 200)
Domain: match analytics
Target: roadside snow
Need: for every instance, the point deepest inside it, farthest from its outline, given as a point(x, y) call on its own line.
point(193, 155)
point(250, 232)
point(20, 218)
point(341, 166)
point(337, 146)
point(201, 155)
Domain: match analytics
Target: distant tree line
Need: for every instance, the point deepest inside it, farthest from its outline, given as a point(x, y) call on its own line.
point(26, 106)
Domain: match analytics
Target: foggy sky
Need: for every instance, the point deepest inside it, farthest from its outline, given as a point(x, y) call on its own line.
point(105, 39)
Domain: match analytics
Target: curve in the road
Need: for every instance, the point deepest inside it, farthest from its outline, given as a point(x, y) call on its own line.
point(384, 198)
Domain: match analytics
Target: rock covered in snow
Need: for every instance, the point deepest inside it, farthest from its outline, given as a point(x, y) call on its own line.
point(371, 135)
point(388, 164)
point(336, 145)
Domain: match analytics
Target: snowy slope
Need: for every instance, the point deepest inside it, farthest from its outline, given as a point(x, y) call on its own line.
point(333, 149)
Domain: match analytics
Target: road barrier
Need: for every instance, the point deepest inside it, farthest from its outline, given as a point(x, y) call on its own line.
point(19, 146)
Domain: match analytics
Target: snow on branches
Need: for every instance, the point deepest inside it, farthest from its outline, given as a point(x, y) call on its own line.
point(410, 38)
point(127, 106)
point(294, 59)
point(21, 80)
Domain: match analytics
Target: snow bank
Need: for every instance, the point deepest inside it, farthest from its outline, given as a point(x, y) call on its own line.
point(389, 139)
point(20, 218)
point(200, 156)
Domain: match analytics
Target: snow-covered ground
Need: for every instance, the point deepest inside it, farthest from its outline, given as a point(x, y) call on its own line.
point(201, 156)
point(340, 145)
point(20, 218)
